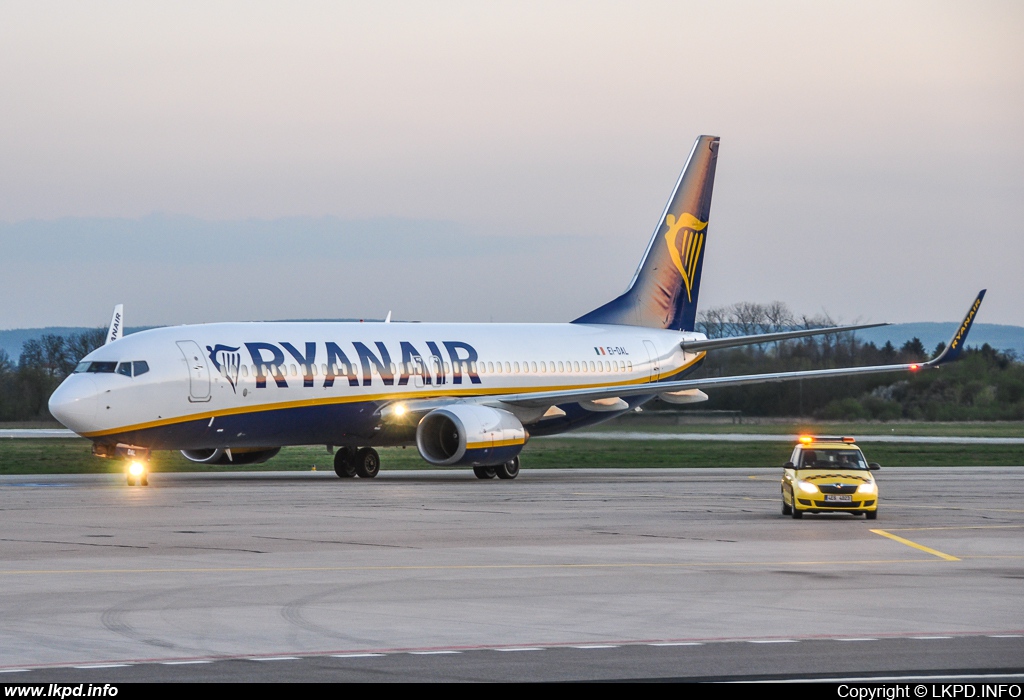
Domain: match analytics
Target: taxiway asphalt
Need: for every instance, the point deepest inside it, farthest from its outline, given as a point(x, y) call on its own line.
point(558, 575)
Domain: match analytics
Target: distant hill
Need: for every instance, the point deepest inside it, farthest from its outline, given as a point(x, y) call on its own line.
point(931, 334)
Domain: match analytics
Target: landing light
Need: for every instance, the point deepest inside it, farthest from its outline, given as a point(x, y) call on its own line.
point(400, 409)
point(136, 469)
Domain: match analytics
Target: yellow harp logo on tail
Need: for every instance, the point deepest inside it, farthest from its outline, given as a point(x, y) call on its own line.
point(685, 238)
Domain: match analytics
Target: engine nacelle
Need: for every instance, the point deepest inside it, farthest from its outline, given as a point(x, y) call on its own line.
point(243, 455)
point(477, 436)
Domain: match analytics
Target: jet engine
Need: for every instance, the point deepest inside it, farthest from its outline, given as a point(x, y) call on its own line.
point(467, 435)
point(243, 455)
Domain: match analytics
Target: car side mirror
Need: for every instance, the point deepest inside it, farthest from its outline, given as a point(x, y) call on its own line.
point(874, 466)
point(788, 465)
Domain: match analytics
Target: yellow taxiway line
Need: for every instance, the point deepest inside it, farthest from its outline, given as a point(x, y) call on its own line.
point(915, 545)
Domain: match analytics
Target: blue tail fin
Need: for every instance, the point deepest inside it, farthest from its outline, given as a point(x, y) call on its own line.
point(663, 293)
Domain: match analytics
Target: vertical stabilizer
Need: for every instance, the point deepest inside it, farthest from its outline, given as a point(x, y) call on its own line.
point(663, 293)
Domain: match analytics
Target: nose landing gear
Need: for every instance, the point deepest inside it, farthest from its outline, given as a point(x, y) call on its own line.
point(137, 472)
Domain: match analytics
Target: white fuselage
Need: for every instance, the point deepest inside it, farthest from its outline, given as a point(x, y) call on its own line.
point(271, 384)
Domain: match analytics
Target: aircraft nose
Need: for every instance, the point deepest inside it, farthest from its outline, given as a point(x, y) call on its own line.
point(75, 401)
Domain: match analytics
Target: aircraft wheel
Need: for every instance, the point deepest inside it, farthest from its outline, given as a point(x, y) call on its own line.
point(508, 470)
point(343, 465)
point(131, 481)
point(367, 463)
point(485, 472)
point(144, 481)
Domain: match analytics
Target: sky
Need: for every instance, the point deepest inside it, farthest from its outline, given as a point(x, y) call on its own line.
point(489, 161)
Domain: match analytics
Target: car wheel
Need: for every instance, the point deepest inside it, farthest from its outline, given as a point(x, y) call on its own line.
point(786, 509)
point(871, 515)
point(797, 514)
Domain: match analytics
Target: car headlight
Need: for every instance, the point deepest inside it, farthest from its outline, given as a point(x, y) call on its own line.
point(866, 488)
point(807, 487)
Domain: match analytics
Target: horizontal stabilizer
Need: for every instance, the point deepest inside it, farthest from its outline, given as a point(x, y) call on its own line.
point(740, 340)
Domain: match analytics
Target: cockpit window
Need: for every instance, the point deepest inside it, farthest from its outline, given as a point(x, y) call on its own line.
point(125, 368)
point(99, 367)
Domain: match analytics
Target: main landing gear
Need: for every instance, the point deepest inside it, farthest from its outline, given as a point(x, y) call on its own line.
point(364, 462)
point(508, 470)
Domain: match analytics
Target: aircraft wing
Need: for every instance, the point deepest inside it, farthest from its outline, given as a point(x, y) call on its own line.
point(542, 399)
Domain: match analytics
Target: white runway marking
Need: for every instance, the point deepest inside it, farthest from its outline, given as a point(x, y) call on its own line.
point(274, 658)
point(771, 641)
point(101, 666)
point(440, 651)
point(522, 649)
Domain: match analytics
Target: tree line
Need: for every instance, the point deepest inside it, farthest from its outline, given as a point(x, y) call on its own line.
point(985, 384)
point(26, 385)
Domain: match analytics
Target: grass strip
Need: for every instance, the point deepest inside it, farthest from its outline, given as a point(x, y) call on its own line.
point(74, 456)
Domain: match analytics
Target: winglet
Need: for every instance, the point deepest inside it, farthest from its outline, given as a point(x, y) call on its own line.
point(116, 325)
point(959, 339)
point(388, 319)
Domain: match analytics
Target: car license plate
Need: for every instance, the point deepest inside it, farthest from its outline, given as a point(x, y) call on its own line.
point(838, 499)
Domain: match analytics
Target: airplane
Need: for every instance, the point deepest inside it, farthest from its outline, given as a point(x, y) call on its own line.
point(464, 394)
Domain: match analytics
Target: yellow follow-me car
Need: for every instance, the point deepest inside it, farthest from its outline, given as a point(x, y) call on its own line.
point(829, 474)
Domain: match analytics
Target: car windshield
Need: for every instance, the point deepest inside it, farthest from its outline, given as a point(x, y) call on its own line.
point(832, 459)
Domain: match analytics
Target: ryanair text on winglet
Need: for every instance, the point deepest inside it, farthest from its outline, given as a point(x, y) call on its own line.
point(966, 324)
